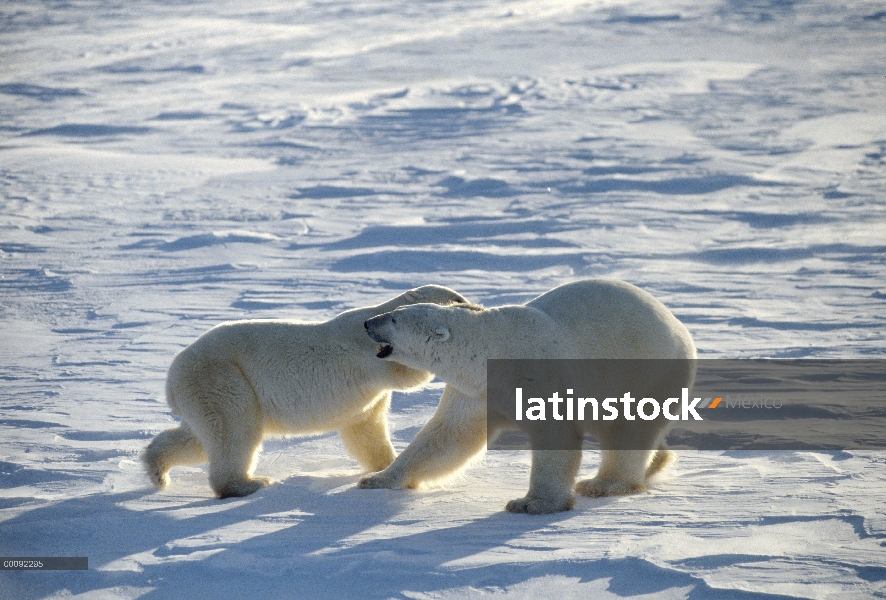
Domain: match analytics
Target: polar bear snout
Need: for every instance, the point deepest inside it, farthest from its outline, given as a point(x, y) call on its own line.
point(373, 328)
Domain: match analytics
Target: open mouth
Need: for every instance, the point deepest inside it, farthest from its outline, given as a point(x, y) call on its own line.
point(384, 350)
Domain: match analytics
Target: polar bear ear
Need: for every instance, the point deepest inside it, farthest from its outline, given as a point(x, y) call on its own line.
point(441, 333)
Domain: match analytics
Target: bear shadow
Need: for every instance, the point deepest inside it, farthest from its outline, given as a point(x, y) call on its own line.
point(316, 537)
point(173, 556)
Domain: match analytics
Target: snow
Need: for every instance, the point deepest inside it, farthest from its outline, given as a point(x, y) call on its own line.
point(166, 166)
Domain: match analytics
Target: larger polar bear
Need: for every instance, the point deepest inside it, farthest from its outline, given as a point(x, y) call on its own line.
point(244, 379)
point(590, 319)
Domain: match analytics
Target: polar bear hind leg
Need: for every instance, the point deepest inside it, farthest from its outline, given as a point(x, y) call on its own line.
point(222, 410)
point(662, 459)
point(368, 440)
point(621, 472)
point(176, 446)
point(233, 452)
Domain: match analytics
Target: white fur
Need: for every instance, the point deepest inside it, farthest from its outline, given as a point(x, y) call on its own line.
point(584, 319)
point(244, 379)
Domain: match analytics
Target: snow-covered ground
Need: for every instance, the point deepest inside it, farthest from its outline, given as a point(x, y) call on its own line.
point(169, 165)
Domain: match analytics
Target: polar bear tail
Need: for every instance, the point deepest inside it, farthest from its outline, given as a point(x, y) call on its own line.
point(178, 446)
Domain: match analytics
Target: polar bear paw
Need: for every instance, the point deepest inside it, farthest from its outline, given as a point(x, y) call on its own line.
point(159, 478)
point(381, 481)
point(596, 487)
point(236, 489)
point(540, 506)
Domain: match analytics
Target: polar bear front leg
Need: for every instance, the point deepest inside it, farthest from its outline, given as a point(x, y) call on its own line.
point(550, 483)
point(455, 434)
point(368, 440)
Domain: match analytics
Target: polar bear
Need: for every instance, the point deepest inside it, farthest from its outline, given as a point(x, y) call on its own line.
point(591, 319)
point(244, 379)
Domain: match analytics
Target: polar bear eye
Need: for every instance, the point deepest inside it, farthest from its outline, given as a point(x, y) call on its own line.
point(393, 320)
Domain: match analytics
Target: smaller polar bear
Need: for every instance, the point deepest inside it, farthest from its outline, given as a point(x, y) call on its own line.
point(244, 379)
point(589, 319)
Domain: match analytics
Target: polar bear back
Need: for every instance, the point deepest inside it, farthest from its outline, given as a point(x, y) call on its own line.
point(308, 369)
point(614, 319)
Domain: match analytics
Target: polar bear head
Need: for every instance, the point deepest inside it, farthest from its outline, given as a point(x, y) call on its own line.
point(397, 375)
point(428, 294)
point(429, 337)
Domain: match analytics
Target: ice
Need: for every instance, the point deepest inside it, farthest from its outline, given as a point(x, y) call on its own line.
point(167, 166)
